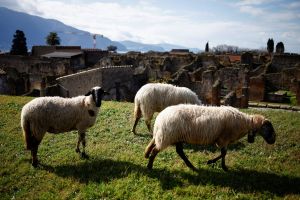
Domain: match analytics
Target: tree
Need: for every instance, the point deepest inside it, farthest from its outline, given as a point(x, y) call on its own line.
point(112, 48)
point(53, 39)
point(280, 47)
point(270, 45)
point(207, 47)
point(19, 46)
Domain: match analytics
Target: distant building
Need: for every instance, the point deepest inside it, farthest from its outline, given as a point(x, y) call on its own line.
point(75, 59)
point(45, 49)
point(92, 56)
point(180, 51)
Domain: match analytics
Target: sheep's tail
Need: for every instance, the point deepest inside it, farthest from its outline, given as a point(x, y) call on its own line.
point(149, 148)
point(27, 133)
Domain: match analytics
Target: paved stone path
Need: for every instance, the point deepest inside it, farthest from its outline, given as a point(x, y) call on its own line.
point(274, 106)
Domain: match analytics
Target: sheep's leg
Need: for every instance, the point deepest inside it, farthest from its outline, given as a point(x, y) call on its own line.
point(78, 143)
point(148, 123)
point(137, 116)
point(81, 139)
point(179, 150)
point(34, 149)
point(83, 142)
point(135, 124)
point(154, 152)
point(223, 154)
point(149, 148)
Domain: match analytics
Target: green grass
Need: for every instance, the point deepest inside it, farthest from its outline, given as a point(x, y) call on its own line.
point(117, 167)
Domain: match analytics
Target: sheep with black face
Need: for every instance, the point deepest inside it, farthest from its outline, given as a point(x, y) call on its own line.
point(58, 115)
point(205, 125)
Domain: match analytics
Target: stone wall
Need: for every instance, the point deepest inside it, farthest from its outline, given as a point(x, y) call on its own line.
point(80, 83)
point(117, 80)
point(257, 88)
point(283, 61)
point(28, 72)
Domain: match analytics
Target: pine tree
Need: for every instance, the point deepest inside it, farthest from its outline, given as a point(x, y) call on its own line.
point(53, 39)
point(270, 45)
point(19, 46)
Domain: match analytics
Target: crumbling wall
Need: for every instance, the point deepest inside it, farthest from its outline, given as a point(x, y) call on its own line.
point(117, 80)
point(80, 83)
point(257, 88)
point(28, 72)
point(283, 61)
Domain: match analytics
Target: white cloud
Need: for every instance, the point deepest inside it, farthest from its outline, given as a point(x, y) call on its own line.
point(252, 2)
point(293, 5)
point(148, 23)
point(251, 10)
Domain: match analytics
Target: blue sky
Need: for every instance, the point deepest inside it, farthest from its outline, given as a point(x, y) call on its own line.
point(191, 23)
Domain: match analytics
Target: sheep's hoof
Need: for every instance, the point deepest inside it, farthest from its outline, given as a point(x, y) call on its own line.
point(35, 163)
point(149, 167)
point(225, 168)
point(84, 155)
point(210, 162)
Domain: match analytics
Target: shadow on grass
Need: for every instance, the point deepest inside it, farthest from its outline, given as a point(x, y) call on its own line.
point(240, 180)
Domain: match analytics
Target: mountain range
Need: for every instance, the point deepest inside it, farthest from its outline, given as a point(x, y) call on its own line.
point(37, 28)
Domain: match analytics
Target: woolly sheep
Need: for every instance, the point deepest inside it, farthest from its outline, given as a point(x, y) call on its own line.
point(154, 97)
point(205, 125)
point(57, 115)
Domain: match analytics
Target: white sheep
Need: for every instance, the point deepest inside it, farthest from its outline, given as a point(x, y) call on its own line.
point(205, 125)
point(57, 115)
point(154, 97)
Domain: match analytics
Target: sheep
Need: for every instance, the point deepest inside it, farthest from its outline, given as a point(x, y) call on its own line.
point(205, 125)
point(57, 115)
point(154, 97)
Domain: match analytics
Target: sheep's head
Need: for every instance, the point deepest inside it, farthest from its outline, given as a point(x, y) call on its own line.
point(267, 132)
point(97, 93)
point(263, 127)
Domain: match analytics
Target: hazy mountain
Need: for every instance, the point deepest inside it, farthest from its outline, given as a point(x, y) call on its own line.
point(136, 46)
point(36, 29)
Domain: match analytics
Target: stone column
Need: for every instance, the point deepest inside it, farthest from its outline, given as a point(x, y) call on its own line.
point(216, 92)
point(298, 93)
point(43, 88)
point(245, 97)
point(230, 99)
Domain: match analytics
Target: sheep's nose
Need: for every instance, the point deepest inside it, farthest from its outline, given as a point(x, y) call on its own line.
point(271, 140)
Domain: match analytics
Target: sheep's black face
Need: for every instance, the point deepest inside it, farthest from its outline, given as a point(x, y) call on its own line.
point(267, 132)
point(97, 93)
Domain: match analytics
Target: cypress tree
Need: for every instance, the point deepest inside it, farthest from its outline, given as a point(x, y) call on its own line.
point(207, 47)
point(270, 45)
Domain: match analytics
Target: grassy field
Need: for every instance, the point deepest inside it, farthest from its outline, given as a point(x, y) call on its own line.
point(117, 169)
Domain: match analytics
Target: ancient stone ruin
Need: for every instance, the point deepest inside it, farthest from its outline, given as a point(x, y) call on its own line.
point(229, 79)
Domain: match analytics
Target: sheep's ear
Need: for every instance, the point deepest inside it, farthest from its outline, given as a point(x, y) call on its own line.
point(88, 94)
